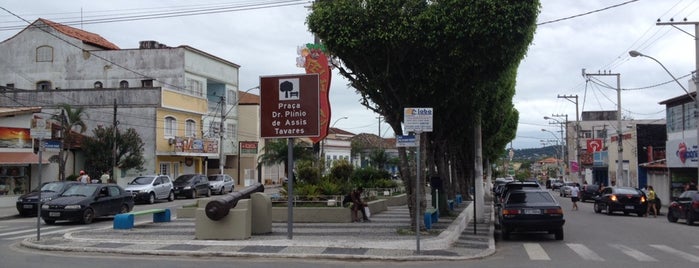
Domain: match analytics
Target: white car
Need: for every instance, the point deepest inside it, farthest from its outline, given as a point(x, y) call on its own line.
point(221, 183)
point(566, 188)
point(149, 188)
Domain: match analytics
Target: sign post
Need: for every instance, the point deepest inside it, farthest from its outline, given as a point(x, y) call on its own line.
point(417, 120)
point(40, 129)
point(289, 109)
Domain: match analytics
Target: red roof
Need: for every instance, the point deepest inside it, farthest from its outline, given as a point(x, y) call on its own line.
point(248, 98)
point(85, 36)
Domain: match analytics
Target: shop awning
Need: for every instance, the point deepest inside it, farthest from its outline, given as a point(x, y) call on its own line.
point(7, 158)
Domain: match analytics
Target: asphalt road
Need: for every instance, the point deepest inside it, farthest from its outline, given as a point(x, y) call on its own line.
point(591, 240)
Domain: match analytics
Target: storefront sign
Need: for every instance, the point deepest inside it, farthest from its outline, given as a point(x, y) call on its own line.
point(248, 147)
point(11, 137)
point(681, 153)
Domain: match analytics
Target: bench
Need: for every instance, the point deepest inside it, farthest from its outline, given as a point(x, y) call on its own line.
point(458, 200)
point(431, 216)
point(450, 202)
point(126, 220)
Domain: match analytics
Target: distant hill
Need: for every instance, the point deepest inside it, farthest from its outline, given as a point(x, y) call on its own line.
point(534, 154)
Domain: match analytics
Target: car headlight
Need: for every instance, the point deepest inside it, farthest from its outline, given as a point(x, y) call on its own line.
point(44, 206)
point(73, 207)
point(187, 187)
point(44, 199)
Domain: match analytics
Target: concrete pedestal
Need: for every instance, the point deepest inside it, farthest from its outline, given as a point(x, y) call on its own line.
point(261, 213)
point(235, 226)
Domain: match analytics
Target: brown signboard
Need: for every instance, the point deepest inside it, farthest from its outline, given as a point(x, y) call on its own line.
point(290, 106)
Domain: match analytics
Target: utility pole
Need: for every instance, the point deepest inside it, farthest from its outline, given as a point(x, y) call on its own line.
point(577, 131)
point(695, 79)
point(221, 132)
point(563, 154)
point(114, 145)
point(620, 141)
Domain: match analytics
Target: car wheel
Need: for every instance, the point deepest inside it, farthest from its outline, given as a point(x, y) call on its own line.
point(505, 233)
point(208, 192)
point(597, 208)
point(193, 195)
point(171, 196)
point(124, 209)
point(88, 216)
point(640, 213)
point(151, 198)
point(223, 190)
point(559, 234)
point(231, 190)
point(609, 210)
point(47, 221)
point(690, 217)
point(671, 216)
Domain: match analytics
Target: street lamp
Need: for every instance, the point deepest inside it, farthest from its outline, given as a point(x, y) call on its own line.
point(635, 53)
point(563, 152)
point(322, 144)
point(558, 162)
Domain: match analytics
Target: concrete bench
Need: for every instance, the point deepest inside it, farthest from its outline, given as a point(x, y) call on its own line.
point(431, 216)
point(126, 220)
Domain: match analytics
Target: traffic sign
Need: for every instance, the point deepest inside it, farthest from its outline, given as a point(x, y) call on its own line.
point(290, 106)
point(406, 141)
point(417, 119)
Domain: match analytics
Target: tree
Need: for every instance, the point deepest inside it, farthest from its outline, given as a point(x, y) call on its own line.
point(444, 54)
point(98, 150)
point(71, 119)
point(276, 151)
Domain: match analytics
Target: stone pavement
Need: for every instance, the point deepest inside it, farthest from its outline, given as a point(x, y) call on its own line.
point(387, 237)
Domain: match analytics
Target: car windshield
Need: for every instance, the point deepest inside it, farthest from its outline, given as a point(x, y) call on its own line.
point(184, 179)
point(81, 190)
point(53, 187)
point(142, 180)
point(215, 178)
point(529, 197)
point(626, 191)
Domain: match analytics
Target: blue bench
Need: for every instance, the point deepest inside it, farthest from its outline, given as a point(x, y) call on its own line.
point(126, 220)
point(451, 204)
point(459, 200)
point(431, 216)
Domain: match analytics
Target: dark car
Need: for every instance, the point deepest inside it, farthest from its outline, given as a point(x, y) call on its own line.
point(588, 192)
point(530, 210)
point(26, 204)
point(686, 207)
point(192, 185)
point(624, 199)
point(85, 202)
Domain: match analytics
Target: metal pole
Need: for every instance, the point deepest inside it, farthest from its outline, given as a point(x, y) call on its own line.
point(220, 136)
point(620, 135)
point(290, 189)
point(38, 200)
point(114, 146)
point(417, 192)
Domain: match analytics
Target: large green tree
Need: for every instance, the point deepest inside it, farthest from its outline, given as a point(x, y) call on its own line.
point(71, 119)
point(276, 151)
point(99, 155)
point(451, 55)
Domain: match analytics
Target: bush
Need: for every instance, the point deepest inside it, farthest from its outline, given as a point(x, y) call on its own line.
point(308, 173)
point(72, 178)
point(384, 183)
point(368, 175)
point(327, 187)
point(341, 170)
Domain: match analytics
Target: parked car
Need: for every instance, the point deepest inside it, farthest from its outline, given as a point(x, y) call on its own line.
point(26, 204)
point(531, 210)
point(565, 190)
point(85, 202)
point(625, 199)
point(658, 201)
point(514, 185)
point(556, 184)
point(192, 185)
point(150, 188)
point(686, 207)
point(221, 183)
point(588, 192)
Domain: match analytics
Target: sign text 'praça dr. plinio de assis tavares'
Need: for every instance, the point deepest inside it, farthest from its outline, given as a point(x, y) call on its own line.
point(289, 106)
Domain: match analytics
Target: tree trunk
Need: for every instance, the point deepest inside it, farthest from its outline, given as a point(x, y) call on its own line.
point(478, 171)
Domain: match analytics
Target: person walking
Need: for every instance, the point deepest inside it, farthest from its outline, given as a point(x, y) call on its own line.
point(84, 178)
point(575, 195)
point(651, 202)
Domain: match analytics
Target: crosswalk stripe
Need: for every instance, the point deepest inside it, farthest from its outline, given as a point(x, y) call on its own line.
point(585, 252)
point(633, 253)
point(44, 233)
point(25, 231)
point(676, 252)
point(536, 252)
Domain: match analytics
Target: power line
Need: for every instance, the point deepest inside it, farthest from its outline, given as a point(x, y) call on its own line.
point(586, 13)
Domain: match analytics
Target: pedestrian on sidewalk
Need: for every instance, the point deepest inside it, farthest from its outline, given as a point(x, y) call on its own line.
point(651, 202)
point(575, 195)
point(358, 205)
point(84, 178)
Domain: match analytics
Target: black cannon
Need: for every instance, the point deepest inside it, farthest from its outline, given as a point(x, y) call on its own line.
point(218, 208)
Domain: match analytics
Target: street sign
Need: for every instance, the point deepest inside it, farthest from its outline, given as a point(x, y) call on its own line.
point(290, 106)
point(40, 128)
point(417, 119)
point(406, 141)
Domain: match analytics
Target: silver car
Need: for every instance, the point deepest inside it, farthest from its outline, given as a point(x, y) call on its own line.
point(221, 183)
point(149, 188)
point(565, 190)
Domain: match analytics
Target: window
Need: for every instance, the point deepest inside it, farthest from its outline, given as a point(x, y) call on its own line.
point(170, 126)
point(43, 85)
point(690, 119)
point(231, 130)
point(98, 84)
point(194, 87)
point(44, 54)
point(124, 84)
point(674, 119)
point(232, 98)
point(213, 128)
point(164, 168)
point(190, 128)
point(147, 83)
point(10, 86)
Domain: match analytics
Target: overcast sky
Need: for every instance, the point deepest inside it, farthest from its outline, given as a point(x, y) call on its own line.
point(263, 42)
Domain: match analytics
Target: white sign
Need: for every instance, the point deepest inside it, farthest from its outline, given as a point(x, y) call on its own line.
point(417, 119)
point(406, 141)
point(40, 128)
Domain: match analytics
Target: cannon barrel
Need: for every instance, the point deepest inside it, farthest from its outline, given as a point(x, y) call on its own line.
point(218, 208)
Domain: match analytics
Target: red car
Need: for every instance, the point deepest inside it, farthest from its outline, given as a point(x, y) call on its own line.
point(686, 207)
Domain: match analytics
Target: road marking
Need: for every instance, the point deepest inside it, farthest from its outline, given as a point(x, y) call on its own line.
point(44, 233)
point(676, 252)
point(25, 231)
point(585, 252)
point(536, 252)
point(633, 253)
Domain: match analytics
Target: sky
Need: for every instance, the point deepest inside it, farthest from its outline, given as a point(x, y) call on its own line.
point(571, 36)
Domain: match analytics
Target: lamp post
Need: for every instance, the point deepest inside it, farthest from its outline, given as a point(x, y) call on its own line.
point(322, 143)
point(560, 167)
point(635, 53)
point(562, 139)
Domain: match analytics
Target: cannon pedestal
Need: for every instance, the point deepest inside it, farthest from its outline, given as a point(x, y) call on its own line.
point(261, 213)
point(237, 225)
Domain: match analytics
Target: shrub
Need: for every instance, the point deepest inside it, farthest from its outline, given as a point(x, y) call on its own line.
point(308, 173)
point(366, 176)
point(341, 170)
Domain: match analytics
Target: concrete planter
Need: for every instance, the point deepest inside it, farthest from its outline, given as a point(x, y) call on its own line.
point(324, 214)
point(397, 200)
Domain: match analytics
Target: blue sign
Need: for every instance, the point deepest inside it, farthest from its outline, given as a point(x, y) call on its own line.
point(406, 141)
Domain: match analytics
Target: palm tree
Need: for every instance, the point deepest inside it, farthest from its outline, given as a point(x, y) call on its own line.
point(70, 119)
point(277, 151)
